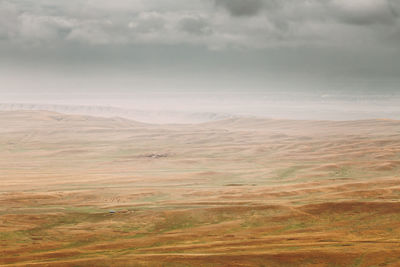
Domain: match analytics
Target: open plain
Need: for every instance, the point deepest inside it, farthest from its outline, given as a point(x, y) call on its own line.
point(89, 191)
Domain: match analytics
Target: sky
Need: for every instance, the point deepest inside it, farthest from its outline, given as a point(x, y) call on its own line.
point(202, 53)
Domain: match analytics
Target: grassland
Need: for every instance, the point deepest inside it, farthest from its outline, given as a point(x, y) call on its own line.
point(239, 192)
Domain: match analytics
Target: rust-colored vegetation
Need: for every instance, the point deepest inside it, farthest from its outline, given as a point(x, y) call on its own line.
point(85, 191)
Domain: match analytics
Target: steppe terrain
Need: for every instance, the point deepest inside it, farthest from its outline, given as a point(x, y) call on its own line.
point(89, 191)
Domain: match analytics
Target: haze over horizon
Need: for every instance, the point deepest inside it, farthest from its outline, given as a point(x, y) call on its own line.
point(243, 57)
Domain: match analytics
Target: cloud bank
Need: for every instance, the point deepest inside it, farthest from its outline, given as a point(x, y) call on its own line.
point(215, 24)
point(94, 50)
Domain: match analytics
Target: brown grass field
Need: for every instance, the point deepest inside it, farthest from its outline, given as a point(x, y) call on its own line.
point(238, 192)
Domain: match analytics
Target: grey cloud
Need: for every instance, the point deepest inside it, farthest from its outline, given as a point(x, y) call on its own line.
point(134, 45)
point(241, 7)
point(8, 20)
point(197, 26)
point(361, 12)
point(365, 12)
point(147, 22)
point(39, 28)
point(394, 6)
point(92, 33)
point(249, 24)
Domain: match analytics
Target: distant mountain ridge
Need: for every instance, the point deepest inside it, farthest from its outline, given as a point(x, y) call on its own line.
point(147, 116)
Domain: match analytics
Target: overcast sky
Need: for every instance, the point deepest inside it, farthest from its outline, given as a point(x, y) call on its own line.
point(92, 48)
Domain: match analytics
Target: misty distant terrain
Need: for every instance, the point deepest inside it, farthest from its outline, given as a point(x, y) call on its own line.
point(138, 115)
point(198, 108)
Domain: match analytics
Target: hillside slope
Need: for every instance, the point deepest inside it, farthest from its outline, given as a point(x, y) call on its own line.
point(82, 190)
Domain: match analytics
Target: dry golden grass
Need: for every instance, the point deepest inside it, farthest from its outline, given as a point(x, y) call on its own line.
point(240, 192)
